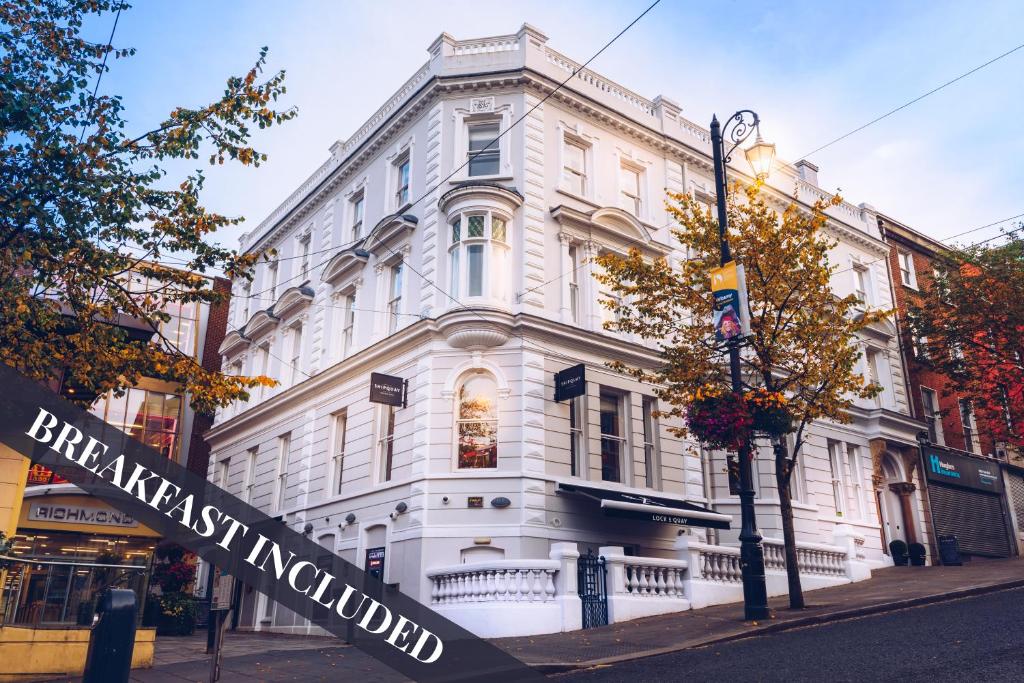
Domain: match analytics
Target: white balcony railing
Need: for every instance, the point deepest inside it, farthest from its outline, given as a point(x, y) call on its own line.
point(497, 581)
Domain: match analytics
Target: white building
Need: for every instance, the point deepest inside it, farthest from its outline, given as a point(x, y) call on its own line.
point(477, 294)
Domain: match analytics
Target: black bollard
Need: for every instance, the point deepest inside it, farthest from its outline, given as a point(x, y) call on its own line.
point(112, 639)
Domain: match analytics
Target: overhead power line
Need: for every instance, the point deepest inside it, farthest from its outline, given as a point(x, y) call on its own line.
point(916, 99)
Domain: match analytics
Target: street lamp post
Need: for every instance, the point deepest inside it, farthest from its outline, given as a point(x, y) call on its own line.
point(737, 129)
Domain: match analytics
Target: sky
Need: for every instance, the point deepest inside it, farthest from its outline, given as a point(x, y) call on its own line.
point(812, 70)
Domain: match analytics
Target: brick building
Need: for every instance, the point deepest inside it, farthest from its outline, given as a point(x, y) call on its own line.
point(970, 494)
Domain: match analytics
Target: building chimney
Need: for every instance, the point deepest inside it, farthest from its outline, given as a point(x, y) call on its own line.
point(808, 172)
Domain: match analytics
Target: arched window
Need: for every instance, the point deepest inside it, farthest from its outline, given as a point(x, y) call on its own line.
point(479, 262)
point(477, 422)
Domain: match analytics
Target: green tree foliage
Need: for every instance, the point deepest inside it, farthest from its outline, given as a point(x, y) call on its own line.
point(802, 342)
point(87, 201)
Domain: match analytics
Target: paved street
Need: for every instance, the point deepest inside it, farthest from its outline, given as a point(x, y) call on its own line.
point(976, 638)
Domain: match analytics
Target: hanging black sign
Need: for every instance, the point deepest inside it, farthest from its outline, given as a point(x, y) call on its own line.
point(571, 382)
point(944, 467)
point(387, 389)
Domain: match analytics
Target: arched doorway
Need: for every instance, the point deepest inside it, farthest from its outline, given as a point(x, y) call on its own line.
point(897, 500)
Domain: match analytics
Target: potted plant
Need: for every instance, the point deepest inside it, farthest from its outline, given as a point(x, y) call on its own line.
point(718, 418)
point(769, 411)
point(174, 570)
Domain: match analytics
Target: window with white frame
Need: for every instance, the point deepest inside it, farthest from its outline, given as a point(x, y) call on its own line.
point(479, 255)
point(574, 166)
point(348, 323)
point(650, 424)
point(577, 411)
point(394, 309)
point(357, 203)
point(295, 361)
point(613, 435)
point(629, 189)
point(263, 366)
point(797, 478)
point(477, 422)
point(303, 245)
point(242, 316)
point(222, 473)
point(284, 444)
point(835, 463)
point(861, 288)
point(386, 441)
point(402, 181)
point(932, 415)
point(574, 283)
point(337, 464)
point(872, 370)
point(908, 276)
point(856, 493)
point(484, 152)
point(272, 281)
point(250, 474)
point(967, 420)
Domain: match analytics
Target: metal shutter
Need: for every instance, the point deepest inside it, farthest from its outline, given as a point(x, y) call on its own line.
point(975, 518)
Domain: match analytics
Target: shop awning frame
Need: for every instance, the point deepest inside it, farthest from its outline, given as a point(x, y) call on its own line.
point(656, 509)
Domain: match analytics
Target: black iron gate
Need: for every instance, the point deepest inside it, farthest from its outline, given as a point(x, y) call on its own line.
point(593, 591)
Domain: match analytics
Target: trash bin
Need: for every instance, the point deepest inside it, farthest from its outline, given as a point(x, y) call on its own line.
point(113, 639)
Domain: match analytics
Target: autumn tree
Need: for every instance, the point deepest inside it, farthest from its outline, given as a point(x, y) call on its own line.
point(803, 336)
point(970, 320)
point(89, 207)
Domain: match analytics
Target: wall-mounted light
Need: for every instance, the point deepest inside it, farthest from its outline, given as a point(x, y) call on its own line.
point(350, 519)
point(399, 509)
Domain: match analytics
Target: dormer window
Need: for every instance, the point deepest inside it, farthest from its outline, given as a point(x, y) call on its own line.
point(484, 151)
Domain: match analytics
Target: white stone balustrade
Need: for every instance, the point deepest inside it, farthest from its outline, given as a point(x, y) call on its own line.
point(498, 581)
point(632, 582)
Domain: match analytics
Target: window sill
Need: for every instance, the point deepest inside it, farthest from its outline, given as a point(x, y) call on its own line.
point(480, 178)
point(578, 197)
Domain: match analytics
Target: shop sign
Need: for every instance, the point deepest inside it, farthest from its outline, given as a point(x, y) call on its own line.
point(571, 382)
point(387, 389)
point(945, 467)
point(729, 311)
point(77, 514)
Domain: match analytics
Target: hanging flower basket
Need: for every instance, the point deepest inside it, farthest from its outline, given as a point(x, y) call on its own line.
point(769, 411)
point(718, 419)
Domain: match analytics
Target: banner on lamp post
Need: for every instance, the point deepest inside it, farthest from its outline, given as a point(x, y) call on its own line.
point(729, 289)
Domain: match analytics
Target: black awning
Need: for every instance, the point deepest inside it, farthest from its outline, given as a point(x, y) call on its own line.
point(650, 508)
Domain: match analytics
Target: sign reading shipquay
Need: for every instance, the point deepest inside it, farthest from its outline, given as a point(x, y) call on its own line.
point(254, 549)
point(79, 514)
point(387, 389)
point(945, 467)
point(571, 382)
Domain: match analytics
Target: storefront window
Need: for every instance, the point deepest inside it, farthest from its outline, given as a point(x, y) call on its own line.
point(477, 423)
point(150, 417)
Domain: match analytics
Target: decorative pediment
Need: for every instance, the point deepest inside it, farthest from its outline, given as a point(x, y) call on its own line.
point(345, 265)
point(611, 226)
point(292, 300)
point(882, 330)
point(262, 321)
point(470, 193)
point(234, 342)
point(389, 233)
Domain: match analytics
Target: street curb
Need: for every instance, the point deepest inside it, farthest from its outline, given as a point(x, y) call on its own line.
point(813, 620)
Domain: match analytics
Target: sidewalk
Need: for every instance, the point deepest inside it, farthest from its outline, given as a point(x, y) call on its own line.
point(251, 657)
point(888, 589)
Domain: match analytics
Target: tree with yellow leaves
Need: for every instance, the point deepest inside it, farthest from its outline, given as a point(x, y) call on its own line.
point(89, 208)
point(802, 337)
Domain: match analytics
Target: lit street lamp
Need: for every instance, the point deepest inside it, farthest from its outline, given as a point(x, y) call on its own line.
point(760, 156)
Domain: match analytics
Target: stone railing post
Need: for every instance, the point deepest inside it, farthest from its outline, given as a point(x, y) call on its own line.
point(846, 538)
point(614, 557)
point(566, 588)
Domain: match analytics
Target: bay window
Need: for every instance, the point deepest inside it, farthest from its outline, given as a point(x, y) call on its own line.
point(477, 422)
point(478, 255)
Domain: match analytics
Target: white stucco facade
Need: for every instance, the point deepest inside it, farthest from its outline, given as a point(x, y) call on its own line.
point(485, 285)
